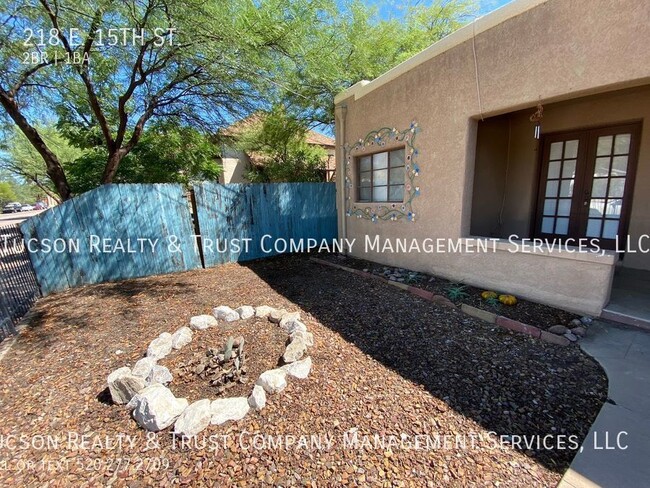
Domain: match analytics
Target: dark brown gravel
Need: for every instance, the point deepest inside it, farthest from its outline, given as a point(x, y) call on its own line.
point(537, 314)
point(385, 363)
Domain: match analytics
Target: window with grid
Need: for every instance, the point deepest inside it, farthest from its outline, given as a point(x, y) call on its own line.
point(381, 177)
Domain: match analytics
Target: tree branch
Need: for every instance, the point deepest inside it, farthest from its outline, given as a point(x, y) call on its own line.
point(83, 73)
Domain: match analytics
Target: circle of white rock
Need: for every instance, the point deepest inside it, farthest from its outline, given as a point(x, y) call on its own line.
point(154, 407)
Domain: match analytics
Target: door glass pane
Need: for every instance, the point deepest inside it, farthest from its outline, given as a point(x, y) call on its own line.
point(397, 176)
point(571, 149)
point(610, 229)
point(596, 208)
point(566, 188)
point(547, 225)
point(380, 161)
point(622, 144)
point(569, 168)
point(554, 169)
point(549, 206)
point(396, 193)
point(564, 207)
point(551, 188)
point(556, 151)
point(599, 188)
point(364, 194)
point(593, 227)
point(604, 147)
point(380, 193)
point(619, 166)
point(613, 208)
point(397, 158)
point(364, 179)
point(380, 177)
point(602, 166)
point(616, 187)
point(364, 165)
point(562, 226)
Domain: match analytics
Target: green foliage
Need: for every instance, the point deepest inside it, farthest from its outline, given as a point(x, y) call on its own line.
point(7, 193)
point(276, 142)
point(493, 302)
point(20, 159)
point(358, 44)
point(456, 291)
point(165, 154)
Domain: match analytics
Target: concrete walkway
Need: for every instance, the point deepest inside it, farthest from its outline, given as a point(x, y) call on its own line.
point(616, 452)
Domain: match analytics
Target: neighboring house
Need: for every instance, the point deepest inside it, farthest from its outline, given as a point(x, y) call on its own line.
point(236, 163)
point(443, 146)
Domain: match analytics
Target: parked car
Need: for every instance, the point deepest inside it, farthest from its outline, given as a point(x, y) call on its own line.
point(12, 207)
point(27, 208)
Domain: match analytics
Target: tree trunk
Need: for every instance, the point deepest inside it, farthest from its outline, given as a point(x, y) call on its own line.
point(52, 164)
point(113, 163)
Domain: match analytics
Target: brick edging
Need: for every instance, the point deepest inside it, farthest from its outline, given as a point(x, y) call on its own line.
point(478, 313)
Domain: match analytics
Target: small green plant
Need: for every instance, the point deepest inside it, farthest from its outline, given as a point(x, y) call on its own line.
point(412, 278)
point(227, 353)
point(457, 292)
point(493, 302)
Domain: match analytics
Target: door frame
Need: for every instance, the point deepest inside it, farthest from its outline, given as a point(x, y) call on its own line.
point(585, 164)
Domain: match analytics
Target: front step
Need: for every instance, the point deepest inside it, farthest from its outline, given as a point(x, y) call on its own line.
point(623, 318)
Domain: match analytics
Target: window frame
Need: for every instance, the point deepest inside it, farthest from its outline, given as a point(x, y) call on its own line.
point(372, 170)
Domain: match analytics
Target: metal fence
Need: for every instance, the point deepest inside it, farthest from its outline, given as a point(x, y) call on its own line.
point(18, 286)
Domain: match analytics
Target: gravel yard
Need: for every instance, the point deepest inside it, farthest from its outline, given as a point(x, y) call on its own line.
point(424, 391)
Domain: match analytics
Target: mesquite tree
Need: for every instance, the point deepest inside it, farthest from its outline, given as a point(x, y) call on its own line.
point(104, 68)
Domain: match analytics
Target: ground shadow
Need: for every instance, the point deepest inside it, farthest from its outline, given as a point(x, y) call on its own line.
point(509, 384)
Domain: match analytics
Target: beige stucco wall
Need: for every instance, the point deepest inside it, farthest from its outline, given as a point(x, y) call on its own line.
point(556, 51)
point(235, 164)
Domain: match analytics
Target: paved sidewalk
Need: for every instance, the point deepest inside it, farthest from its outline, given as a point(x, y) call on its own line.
point(624, 353)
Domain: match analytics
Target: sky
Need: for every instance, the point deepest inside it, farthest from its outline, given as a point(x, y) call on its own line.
point(387, 7)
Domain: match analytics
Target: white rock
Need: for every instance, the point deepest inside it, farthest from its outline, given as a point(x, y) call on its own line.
point(225, 409)
point(159, 374)
point(245, 312)
point(307, 337)
point(263, 311)
point(183, 336)
point(257, 400)
point(156, 407)
point(143, 367)
point(299, 369)
point(289, 317)
point(276, 315)
point(295, 350)
point(223, 312)
point(273, 380)
point(194, 419)
point(202, 322)
point(292, 325)
point(161, 346)
point(123, 385)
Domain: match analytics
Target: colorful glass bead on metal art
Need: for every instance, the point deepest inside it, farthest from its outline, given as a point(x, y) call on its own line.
point(379, 138)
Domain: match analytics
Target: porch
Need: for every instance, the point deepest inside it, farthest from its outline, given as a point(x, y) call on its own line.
point(582, 185)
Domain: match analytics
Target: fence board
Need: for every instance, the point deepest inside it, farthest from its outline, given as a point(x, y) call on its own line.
point(282, 210)
point(124, 212)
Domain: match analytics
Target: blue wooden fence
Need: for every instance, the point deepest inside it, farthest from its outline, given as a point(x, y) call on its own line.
point(107, 234)
point(229, 215)
point(94, 237)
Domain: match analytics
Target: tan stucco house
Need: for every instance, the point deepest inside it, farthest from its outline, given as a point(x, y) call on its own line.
point(531, 122)
point(236, 163)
